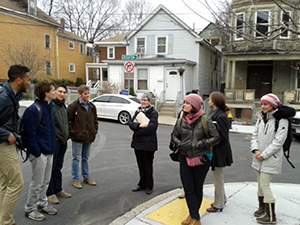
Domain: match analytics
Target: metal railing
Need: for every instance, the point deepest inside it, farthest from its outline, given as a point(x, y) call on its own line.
point(178, 103)
point(159, 100)
point(244, 95)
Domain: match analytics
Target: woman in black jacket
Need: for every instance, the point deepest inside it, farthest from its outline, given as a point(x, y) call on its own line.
point(222, 155)
point(144, 142)
point(195, 142)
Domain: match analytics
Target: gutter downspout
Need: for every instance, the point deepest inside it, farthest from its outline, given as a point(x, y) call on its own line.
point(57, 55)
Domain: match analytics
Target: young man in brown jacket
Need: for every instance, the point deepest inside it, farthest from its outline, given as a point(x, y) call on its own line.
point(83, 127)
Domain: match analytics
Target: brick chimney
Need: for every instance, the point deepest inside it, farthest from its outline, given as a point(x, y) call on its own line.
point(62, 23)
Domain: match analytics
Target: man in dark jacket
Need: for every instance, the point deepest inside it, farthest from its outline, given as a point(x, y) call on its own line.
point(83, 127)
point(40, 139)
point(10, 171)
point(62, 133)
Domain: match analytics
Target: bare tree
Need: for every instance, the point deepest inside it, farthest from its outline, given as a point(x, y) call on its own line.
point(28, 55)
point(222, 12)
point(134, 12)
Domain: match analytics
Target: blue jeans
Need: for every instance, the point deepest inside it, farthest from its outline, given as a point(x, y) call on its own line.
point(55, 185)
point(192, 179)
point(80, 150)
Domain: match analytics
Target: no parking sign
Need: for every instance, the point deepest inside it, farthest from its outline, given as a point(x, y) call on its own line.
point(128, 66)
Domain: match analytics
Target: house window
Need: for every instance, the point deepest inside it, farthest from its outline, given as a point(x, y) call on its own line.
point(128, 79)
point(239, 26)
point(32, 7)
point(47, 41)
point(161, 45)
point(285, 19)
point(110, 52)
point(140, 45)
point(81, 48)
point(298, 76)
point(48, 68)
point(71, 45)
point(72, 67)
point(89, 51)
point(142, 79)
point(262, 23)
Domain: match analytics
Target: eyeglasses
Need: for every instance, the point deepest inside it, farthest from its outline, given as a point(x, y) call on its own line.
point(144, 100)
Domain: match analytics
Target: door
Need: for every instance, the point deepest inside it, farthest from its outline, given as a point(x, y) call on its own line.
point(172, 84)
point(259, 77)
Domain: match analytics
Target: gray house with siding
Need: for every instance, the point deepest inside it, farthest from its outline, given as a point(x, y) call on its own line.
point(171, 59)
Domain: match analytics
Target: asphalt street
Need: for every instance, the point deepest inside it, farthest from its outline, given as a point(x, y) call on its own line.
point(113, 167)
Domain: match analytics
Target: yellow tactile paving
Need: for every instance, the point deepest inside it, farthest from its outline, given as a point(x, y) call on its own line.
point(176, 211)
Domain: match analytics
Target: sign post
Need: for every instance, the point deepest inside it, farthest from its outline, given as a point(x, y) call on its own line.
point(129, 66)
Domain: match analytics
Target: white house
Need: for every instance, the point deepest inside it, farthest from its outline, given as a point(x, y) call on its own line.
point(171, 59)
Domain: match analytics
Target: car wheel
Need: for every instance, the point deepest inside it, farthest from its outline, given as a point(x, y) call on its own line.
point(124, 117)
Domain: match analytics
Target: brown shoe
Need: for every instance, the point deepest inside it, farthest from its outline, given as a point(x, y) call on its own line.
point(53, 199)
point(187, 221)
point(90, 182)
point(63, 194)
point(195, 222)
point(77, 184)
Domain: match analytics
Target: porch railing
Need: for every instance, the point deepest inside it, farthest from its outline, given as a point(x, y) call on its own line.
point(245, 95)
point(159, 100)
point(178, 103)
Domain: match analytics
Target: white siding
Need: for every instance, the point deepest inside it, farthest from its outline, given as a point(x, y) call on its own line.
point(115, 74)
point(205, 66)
point(181, 43)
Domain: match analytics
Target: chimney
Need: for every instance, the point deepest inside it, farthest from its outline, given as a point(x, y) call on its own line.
point(62, 23)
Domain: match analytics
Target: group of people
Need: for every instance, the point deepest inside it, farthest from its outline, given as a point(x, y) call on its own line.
point(47, 126)
point(203, 142)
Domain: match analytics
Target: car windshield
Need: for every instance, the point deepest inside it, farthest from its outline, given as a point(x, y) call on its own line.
point(135, 99)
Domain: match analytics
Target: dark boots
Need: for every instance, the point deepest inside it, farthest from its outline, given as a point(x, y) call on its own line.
point(261, 209)
point(270, 217)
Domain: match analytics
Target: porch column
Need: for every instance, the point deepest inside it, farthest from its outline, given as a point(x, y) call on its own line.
point(228, 72)
point(86, 73)
point(233, 75)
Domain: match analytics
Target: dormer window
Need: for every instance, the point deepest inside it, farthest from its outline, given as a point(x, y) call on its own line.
point(32, 7)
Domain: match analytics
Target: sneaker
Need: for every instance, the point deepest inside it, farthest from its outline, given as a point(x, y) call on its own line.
point(35, 215)
point(90, 182)
point(77, 184)
point(182, 195)
point(48, 209)
point(63, 194)
point(53, 199)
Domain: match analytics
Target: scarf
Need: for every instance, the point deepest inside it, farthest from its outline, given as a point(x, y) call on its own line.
point(146, 109)
point(189, 118)
point(195, 161)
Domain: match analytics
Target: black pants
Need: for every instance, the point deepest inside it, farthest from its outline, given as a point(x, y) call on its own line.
point(192, 179)
point(55, 185)
point(145, 163)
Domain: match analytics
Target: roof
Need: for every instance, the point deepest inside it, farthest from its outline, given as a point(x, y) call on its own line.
point(20, 6)
point(71, 36)
point(115, 39)
point(172, 15)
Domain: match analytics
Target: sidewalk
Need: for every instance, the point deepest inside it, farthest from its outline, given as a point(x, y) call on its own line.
point(168, 209)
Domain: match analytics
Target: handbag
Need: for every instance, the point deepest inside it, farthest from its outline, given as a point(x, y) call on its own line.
point(175, 155)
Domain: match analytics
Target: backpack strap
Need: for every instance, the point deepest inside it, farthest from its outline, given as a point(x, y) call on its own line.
point(39, 109)
point(75, 107)
point(179, 121)
point(204, 124)
point(276, 125)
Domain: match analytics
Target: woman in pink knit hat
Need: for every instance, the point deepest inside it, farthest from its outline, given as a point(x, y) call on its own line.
point(195, 152)
point(266, 146)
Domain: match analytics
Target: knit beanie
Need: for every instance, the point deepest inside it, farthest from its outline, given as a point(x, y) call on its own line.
point(195, 100)
point(270, 99)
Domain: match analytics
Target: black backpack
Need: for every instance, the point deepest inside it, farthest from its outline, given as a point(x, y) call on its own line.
point(288, 141)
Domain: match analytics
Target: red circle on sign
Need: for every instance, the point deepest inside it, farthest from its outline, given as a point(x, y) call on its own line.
point(129, 67)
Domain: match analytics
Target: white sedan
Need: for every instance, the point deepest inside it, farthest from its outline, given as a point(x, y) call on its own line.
point(116, 106)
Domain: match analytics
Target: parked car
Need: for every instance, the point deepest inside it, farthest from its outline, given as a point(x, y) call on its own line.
point(296, 125)
point(116, 106)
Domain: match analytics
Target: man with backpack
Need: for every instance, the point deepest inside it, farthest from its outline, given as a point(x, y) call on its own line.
point(39, 137)
point(83, 127)
point(11, 178)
